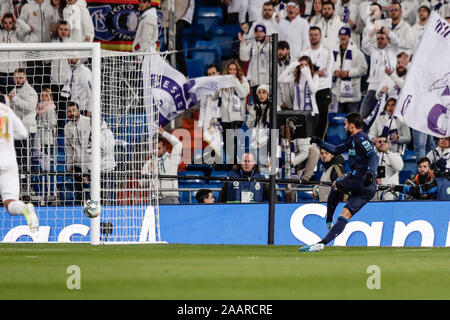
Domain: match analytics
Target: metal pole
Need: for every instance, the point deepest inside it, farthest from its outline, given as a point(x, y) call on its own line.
point(172, 32)
point(96, 154)
point(273, 137)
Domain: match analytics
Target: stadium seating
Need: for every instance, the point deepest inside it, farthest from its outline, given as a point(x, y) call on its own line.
point(191, 181)
point(207, 56)
point(196, 68)
point(225, 43)
point(135, 129)
point(336, 132)
point(208, 17)
point(231, 30)
point(217, 173)
point(215, 12)
point(208, 45)
point(194, 33)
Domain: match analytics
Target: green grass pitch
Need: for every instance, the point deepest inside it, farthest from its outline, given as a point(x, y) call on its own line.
point(218, 272)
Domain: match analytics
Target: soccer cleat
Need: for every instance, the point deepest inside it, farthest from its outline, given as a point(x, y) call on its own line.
point(312, 248)
point(329, 225)
point(31, 217)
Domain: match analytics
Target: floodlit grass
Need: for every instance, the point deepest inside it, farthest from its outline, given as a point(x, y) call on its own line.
point(218, 272)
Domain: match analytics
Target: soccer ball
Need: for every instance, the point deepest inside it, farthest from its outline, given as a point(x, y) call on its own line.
point(91, 208)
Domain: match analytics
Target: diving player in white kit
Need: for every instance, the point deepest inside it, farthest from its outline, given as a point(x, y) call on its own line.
point(12, 128)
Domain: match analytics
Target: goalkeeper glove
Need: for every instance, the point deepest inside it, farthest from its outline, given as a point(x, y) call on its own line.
point(316, 140)
point(368, 179)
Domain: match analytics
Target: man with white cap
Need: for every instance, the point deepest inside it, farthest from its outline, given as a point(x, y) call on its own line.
point(294, 29)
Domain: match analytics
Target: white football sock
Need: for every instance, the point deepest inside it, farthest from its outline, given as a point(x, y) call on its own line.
point(15, 208)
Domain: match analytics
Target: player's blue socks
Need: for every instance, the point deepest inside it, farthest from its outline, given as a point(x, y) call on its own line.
point(336, 230)
point(332, 202)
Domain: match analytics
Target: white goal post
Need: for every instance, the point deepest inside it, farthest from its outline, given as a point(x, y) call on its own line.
point(118, 102)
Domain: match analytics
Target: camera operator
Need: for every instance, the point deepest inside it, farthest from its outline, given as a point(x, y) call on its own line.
point(389, 165)
point(438, 188)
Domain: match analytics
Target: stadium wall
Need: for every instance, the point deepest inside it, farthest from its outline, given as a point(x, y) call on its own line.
point(410, 224)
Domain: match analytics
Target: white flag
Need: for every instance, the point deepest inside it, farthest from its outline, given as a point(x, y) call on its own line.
point(424, 101)
point(167, 88)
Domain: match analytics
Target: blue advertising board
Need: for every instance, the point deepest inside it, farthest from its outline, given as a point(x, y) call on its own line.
point(377, 224)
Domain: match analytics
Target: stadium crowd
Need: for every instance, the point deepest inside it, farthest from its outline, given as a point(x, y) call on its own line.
point(334, 56)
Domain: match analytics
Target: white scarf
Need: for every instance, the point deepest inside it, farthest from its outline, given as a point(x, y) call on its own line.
point(346, 83)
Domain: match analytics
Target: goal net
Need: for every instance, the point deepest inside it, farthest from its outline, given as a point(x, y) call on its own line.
point(93, 128)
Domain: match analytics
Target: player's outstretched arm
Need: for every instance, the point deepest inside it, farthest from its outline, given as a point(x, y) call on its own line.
point(330, 147)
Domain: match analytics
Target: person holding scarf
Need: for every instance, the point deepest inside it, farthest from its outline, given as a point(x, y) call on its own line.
point(388, 125)
point(349, 66)
point(300, 73)
point(257, 53)
point(231, 102)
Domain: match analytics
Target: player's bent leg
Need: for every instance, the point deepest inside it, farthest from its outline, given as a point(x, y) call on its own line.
point(332, 202)
point(336, 230)
point(30, 215)
point(17, 207)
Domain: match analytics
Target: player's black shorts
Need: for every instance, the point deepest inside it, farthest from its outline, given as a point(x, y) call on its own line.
point(359, 194)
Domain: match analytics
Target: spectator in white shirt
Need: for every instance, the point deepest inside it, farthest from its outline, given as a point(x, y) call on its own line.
point(168, 165)
point(147, 32)
point(294, 29)
point(389, 166)
point(322, 60)
point(381, 57)
point(253, 8)
point(13, 31)
point(257, 53)
point(441, 151)
point(279, 7)
point(285, 91)
point(76, 131)
point(78, 85)
point(267, 18)
point(409, 8)
point(209, 120)
point(40, 16)
point(364, 11)
point(301, 74)
point(399, 27)
point(393, 84)
point(390, 126)
point(441, 7)
point(419, 27)
point(23, 100)
point(349, 66)
point(349, 15)
point(79, 19)
point(316, 13)
point(330, 24)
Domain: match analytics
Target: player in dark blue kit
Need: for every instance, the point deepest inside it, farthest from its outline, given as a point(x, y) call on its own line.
point(360, 182)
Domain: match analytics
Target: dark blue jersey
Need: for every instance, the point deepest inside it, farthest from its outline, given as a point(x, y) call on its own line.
point(362, 156)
